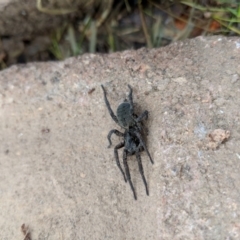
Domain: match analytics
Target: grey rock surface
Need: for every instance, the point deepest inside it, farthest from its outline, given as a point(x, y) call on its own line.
point(59, 178)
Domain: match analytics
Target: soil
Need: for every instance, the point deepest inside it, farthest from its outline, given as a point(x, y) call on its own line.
point(60, 181)
point(28, 29)
point(24, 19)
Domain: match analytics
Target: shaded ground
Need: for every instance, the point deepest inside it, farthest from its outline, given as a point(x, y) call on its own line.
point(32, 30)
point(44, 30)
point(60, 179)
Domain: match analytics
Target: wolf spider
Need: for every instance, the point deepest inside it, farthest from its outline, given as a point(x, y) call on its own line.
point(132, 142)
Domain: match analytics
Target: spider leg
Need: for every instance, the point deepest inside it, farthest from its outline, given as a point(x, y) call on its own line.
point(128, 173)
point(130, 98)
point(143, 115)
point(108, 105)
point(144, 145)
point(120, 145)
point(141, 170)
point(110, 135)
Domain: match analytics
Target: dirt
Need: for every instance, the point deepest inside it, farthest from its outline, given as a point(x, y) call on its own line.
point(60, 181)
point(28, 29)
point(23, 19)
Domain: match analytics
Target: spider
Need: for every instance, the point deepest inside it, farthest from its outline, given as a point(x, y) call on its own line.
point(132, 142)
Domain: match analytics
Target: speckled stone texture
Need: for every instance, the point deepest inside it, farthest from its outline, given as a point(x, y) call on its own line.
point(58, 177)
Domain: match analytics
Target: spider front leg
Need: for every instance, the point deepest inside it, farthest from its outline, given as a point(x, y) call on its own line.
point(120, 145)
point(128, 173)
point(110, 135)
point(108, 106)
point(141, 170)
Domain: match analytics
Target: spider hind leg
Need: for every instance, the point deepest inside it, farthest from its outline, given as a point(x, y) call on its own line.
point(113, 131)
point(144, 145)
point(120, 145)
point(141, 171)
point(128, 173)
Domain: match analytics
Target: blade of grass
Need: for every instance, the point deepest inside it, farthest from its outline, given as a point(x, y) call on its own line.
point(93, 38)
point(128, 7)
point(232, 28)
point(187, 29)
point(87, 23)
point(104, 14)
point(111, 42)
point(71, 38)
point(144, 25)
point(202, 8)
point(53, 11)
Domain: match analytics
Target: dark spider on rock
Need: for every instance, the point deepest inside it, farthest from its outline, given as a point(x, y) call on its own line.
point(133, 142)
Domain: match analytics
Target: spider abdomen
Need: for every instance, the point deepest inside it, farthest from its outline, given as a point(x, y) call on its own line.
point(125, 115)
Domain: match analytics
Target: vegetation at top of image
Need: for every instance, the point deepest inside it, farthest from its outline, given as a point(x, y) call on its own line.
point(128, 24)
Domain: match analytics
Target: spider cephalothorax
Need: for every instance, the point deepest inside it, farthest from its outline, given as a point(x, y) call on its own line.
point(133, 142)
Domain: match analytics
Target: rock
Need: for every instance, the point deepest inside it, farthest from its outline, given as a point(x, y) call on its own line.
point(60, 181)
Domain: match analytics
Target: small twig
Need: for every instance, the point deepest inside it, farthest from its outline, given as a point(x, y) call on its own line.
point(105, 14)
point(144, 25)
point(26, 232)
point(91, 90)
point(53, 11)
